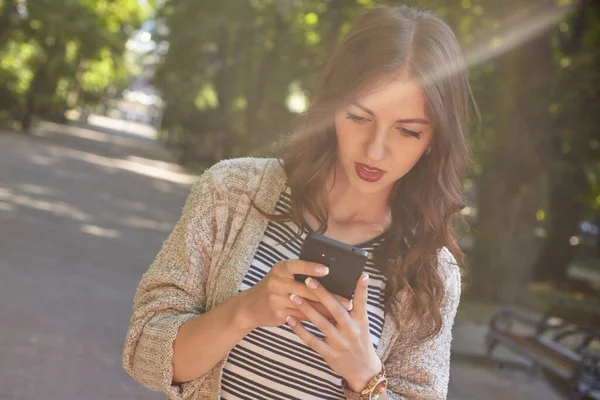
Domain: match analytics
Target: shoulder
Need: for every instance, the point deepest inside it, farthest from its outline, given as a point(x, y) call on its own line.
point(239, 174)
point(240, 170)
point(450, 273)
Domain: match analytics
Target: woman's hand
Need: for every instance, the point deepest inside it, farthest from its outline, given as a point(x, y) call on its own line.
point(347, 346)
point(268, 302)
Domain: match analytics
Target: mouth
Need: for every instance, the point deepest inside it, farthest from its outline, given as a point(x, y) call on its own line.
point(368, 173)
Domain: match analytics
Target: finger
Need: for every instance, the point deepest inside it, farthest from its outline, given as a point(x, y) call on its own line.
point(291, 286)
point(299, 315)
point(339, 313)
point(301, 290)
point(324, 325)
point(345, 302)
point(321, 310)
point(301, 267)
point(360, 298)
point(309, 339)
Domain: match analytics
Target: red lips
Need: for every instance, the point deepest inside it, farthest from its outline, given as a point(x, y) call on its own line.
point(368, 167)
point(368, 173)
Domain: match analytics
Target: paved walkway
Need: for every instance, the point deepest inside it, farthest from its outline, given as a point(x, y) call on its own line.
point(474, 377)
point(82, 215)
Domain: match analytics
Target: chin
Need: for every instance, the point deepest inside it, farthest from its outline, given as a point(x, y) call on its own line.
point(368, 187)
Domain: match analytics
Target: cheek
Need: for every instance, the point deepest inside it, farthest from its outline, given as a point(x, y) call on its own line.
point(405, 156)
point(348, 135)
point(345, 136)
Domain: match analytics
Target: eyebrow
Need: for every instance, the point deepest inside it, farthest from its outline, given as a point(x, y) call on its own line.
point(404, 121)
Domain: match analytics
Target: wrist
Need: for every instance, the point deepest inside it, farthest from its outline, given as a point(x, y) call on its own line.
point(242, 319)
point(359, 382)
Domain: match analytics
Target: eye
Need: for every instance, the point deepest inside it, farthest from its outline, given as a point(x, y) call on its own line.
point(356, 118)
point(410, 133)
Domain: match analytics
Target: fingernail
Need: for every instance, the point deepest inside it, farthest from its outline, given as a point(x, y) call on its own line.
point(322, 271)
point(291, 321)
point(295, 299)
point(365, 277)
point(311, 283)
point(350, 305)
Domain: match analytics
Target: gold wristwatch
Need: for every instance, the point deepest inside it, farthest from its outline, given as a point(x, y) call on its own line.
point(373, 391)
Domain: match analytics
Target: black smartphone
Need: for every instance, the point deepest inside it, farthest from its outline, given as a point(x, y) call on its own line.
point(345, 262)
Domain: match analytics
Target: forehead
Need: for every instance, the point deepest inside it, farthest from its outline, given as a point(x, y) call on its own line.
point(400, 97)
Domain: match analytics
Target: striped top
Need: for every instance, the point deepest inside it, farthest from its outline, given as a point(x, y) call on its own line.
point(274, 363)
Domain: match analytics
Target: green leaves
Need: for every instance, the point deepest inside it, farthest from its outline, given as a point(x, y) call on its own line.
point(68, 44)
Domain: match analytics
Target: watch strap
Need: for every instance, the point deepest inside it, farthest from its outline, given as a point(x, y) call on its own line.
point(375, 387)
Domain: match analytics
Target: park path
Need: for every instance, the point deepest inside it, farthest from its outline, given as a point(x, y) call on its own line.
point(82, 215)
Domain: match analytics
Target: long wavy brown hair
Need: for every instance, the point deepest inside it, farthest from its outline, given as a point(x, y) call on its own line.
point(425, 203)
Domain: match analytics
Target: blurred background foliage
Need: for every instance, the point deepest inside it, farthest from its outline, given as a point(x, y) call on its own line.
point(233, 74)
point(56, 54)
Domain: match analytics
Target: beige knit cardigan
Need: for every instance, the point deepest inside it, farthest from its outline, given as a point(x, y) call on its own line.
point(202, 263)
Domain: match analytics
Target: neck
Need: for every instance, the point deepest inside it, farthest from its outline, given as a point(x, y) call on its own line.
point(347, 205)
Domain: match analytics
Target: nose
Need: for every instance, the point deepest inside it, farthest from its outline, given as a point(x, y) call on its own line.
point(376, 146)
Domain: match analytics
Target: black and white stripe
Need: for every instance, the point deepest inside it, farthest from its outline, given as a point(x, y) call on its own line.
point(273, 363)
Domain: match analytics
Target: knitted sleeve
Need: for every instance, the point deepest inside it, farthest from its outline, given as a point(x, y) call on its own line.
point(422, 372)
point(172, 291)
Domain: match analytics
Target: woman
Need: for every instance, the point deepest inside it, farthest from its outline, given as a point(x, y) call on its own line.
point(378, 162)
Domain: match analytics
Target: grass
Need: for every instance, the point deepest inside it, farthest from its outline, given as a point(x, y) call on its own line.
point(475, 310)
point(590, 263)
point(540, 296)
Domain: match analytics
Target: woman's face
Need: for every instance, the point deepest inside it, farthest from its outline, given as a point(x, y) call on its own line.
point(382, 135)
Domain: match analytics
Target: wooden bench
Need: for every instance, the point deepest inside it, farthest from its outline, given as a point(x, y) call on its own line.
point(560, 342)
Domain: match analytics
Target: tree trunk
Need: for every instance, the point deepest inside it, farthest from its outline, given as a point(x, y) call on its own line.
point(509, 188)
point(568, 184)
point(30, 99)
point(40, 79)
point(335, 20)
point(267, 66)
point(7, 14)
point(505, 247)
point(224, 88)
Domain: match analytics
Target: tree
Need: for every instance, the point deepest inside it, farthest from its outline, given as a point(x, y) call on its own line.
point(226, 84)
point(510, 185)
point(69, 38)
point(573, 153)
